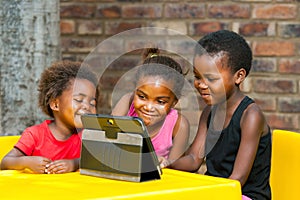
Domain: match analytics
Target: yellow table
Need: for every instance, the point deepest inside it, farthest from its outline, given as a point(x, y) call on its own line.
point(173, 185)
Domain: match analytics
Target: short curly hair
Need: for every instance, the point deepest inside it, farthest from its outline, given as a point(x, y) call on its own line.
point(57, 78)
point(231, 44)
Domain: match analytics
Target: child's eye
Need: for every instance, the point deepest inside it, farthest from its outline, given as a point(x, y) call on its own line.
point(141, 96)
point(197, 77)
point(78, 100)
point(93, 103)
point(161, 102)
point(211, 79)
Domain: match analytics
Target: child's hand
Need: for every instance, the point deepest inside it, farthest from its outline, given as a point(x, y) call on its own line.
point(163, 162)
point(37, 164)
point(60, 166)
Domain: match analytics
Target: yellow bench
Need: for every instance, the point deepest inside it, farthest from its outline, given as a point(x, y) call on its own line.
point(285, 165)
point(6, 144)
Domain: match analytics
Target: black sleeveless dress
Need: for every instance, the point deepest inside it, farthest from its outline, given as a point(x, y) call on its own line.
point(220, 159)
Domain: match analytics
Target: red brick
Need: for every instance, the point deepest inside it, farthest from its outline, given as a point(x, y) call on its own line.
point(286, 1)
point(77, 10)
point(187, 10)
point(289, 66)
point(282, 121)
point(289, 105)
point(271, 27)
point(168, 27)
point(89, 27)
point(255, 1)
point(67, 26)
point(112, 28)
point(125, 63)
point(280, 86)
point(264, 65)
point(75, 57)
point(88, 1)
point(202, 28)
point(111, 46)
point(266, 103)
point(99, 62)
point(135, 44)
point(141, 11)
point(274, 48)
point(229, 11)
point(116, 85)
point(289, 30)
point(274, 11)
point(108, 11)
point(78, 45)
point(182, 46)
point(255, 29)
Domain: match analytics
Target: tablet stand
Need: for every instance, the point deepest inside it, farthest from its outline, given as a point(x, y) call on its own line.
point(113, 153)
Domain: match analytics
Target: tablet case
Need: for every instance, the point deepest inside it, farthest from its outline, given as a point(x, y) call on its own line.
point(117, 147)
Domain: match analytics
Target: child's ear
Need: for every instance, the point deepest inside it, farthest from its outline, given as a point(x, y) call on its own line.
point(240, 76)
point(54, 105)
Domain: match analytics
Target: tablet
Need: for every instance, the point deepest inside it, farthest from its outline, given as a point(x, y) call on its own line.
point(117, 147)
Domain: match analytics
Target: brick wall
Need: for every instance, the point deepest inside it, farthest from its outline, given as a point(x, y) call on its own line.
point(271, 27)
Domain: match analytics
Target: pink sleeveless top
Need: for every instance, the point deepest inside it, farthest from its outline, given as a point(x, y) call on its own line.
point(162, 142)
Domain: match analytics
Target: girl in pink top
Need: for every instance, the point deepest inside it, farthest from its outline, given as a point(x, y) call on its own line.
point(163, 140)
point(159, 82)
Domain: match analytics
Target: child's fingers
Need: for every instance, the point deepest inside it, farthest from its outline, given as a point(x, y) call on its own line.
point(47, 161)
point(165, 164)
point(59, 171)
point(57, 168)
point(51, 167)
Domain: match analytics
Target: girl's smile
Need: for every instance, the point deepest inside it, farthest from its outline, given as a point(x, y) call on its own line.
point(153, 99)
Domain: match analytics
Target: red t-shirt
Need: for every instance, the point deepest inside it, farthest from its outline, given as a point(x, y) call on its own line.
point(38, 141)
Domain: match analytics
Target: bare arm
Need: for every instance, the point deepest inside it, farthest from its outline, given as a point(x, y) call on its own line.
point(122, 106)
point(15, 159)
point(194, 156)
point(253, 125)
point(180, 138)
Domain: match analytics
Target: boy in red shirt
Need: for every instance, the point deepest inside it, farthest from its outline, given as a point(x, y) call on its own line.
point(67, 90)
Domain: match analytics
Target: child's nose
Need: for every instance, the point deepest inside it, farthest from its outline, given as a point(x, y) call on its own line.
point(86, 105)
point(201, 84)
point(149, 106)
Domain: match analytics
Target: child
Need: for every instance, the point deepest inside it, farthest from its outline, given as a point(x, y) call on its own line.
point(159, 82)
point(67, 90)
point(242, 148)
